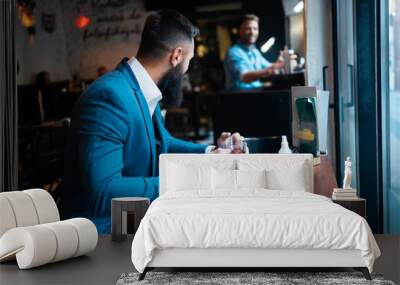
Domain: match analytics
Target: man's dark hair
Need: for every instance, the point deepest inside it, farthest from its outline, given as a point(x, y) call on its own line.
point(248, 17)
point(163, 31)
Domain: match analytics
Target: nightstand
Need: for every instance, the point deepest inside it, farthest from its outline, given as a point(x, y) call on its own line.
point(120, 209)
point(358, 206)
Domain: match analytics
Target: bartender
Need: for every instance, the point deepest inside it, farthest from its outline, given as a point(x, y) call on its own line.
point(244, 64)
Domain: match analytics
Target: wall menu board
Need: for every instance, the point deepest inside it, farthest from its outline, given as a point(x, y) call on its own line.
point(112, 32)
point(111, 18)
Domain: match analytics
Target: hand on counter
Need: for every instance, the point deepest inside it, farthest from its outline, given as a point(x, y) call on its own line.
point(275, 67)
point(279, 64)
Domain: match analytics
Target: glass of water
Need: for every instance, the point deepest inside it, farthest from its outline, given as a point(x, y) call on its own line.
point(235, 144)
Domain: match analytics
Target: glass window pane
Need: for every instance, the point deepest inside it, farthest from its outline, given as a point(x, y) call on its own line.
point(393, 137)
point(346, 90)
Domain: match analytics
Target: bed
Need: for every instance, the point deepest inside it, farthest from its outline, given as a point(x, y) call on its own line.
point(247, 211)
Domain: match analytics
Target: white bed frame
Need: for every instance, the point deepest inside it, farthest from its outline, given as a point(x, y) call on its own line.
point(245, 258)
point(234, 257)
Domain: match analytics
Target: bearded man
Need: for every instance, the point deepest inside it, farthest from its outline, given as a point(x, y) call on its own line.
point(117, 131)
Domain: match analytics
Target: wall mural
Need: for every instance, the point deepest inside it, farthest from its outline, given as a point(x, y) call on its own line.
point(76, 37)
point(99, 33)
point(104, 19)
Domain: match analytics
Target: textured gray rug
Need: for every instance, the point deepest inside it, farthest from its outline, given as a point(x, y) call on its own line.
point(243, 278)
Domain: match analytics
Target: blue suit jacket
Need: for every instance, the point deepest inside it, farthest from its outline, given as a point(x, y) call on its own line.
point(112, 148)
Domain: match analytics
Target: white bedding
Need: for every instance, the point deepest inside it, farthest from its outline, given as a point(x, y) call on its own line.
point(251, 218)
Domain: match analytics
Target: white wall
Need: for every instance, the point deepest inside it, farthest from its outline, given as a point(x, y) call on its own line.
point(296, 33)
point(319, 53)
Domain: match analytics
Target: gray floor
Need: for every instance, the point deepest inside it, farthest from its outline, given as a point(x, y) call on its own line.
point(110, 260)
point(103, 266)
point(389, 262)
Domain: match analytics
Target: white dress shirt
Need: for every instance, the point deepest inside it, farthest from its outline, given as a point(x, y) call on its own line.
point(150, 90)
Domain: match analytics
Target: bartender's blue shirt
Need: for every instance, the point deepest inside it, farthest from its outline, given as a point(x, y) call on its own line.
point(240, 59)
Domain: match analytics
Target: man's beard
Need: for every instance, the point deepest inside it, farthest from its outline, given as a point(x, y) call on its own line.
point(170, 86)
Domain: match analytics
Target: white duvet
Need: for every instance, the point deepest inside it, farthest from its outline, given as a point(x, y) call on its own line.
point(252, 218)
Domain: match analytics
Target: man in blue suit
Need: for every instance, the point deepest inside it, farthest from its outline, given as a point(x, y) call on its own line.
point(117, 131)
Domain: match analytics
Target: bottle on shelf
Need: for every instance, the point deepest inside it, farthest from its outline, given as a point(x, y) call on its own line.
point(285, 149)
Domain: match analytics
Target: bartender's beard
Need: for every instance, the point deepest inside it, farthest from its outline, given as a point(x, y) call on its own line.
point(249, 39)
point(170, 86)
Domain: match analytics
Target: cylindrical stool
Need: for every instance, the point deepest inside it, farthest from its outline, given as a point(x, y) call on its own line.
point(119, 209)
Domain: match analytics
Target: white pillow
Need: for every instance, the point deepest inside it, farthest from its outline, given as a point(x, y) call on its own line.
point(182, 177)
point(292, 179)
point(251, 178)
point(284, 172)
point(224, 179)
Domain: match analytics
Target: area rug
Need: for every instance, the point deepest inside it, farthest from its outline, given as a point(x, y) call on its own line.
point(244, 278)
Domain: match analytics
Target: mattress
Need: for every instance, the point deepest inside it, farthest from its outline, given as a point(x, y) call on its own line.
point(250, 219)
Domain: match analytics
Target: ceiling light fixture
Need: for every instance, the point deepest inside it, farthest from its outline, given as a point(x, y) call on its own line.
point(268, 44)
point(299, 7)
